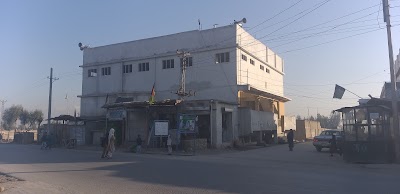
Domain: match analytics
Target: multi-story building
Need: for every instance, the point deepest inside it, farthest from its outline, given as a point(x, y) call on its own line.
point(227, 68)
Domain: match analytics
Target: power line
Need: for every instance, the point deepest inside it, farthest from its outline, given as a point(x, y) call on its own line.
point(323, 23)
point(323, 3)
point(274, 16)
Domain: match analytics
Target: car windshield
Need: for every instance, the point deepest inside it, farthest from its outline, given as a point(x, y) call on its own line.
point(330, 133)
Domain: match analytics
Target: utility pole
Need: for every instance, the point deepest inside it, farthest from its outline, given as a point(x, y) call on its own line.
point(2, 109)
point(50, 95)
point(182, 88)
point(395, 127)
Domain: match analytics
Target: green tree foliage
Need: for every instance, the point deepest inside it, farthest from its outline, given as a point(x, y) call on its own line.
point(331, 122)
point(24, 118)
point(28, 119)
point(10, 116)
point(35, 119)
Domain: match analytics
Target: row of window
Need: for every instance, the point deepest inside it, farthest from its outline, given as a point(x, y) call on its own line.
point(167, 64)
point(244, 57)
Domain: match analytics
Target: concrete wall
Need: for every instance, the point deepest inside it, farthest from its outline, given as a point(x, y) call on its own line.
point(208, 79)
point(306, 129)
point(248, 73)
point(216, 124)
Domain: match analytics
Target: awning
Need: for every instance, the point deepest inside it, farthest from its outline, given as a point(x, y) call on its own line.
point(252, 90)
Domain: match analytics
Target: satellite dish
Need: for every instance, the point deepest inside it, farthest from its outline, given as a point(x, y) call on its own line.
point(80, 44)
point(244, 20)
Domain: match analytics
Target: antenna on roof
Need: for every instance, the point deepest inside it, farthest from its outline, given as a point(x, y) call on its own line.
point(200, 28)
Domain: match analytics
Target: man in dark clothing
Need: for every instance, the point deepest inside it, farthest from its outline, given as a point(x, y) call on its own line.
point(104, 144)
point(138, 144)
point(333, 146)
point(290, 137)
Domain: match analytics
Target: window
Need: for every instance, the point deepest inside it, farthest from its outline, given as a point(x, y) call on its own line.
point(267, 70)
point(262, 67)
point(144, 66)
point(244, 57)
point(189, 61)
point(222, 57)
point(106, 71)
point(168, 64)
point(127, 68)
point(92, 72)
point(252, 61)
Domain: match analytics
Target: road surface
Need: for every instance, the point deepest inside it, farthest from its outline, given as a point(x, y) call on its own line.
point(266, 170)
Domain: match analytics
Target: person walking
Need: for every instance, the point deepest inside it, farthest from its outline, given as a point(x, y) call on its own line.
point(111, 141)
point(104, 144)
point(44, 140)
point(333, 147)
point(169, 144)
point(138, 144)
point(290, 137)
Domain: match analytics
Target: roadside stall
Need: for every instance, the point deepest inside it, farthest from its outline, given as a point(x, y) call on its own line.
point(367, 137)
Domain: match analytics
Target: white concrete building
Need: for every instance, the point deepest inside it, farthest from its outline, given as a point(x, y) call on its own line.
point(226, 65)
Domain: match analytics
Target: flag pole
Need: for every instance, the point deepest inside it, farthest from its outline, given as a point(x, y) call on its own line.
point(353, 93)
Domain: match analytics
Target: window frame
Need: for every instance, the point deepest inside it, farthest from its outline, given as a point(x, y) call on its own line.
point(144, 66)
point(90, 71)
point(189, 61)
point(244, 57)
point(105, 71)
point(222, 57)
point(127, 68)
point(168, 64)
point(252, 62)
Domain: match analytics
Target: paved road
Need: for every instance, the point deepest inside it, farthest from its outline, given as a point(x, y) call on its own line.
point(266, 170)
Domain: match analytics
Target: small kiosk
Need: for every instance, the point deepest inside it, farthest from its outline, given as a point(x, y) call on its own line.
point(367, 137)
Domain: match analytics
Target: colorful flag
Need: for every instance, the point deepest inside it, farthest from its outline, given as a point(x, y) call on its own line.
point(152, 95)
point(339, 91)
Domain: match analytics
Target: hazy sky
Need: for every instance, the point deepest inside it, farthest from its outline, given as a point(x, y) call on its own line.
point(37, 35)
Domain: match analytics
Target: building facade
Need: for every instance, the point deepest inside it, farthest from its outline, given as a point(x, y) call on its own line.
point(227, 68)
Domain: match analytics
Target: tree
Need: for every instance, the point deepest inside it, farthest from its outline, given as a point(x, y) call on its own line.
point(10, 116)
point(35, 117)
point(298, 117)
point(24, 118)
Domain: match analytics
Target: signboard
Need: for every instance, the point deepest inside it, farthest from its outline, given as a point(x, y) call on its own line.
point(187, 123)
point(161, 128)
point(116, 115)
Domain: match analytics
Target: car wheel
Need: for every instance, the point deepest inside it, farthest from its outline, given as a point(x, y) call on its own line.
point(318, 149)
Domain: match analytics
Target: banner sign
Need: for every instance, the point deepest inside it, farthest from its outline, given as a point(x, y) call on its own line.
point(187, 123)
point(161, 128)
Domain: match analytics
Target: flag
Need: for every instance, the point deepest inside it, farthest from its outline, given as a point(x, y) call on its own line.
point(339, 91)
point(152, 95)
